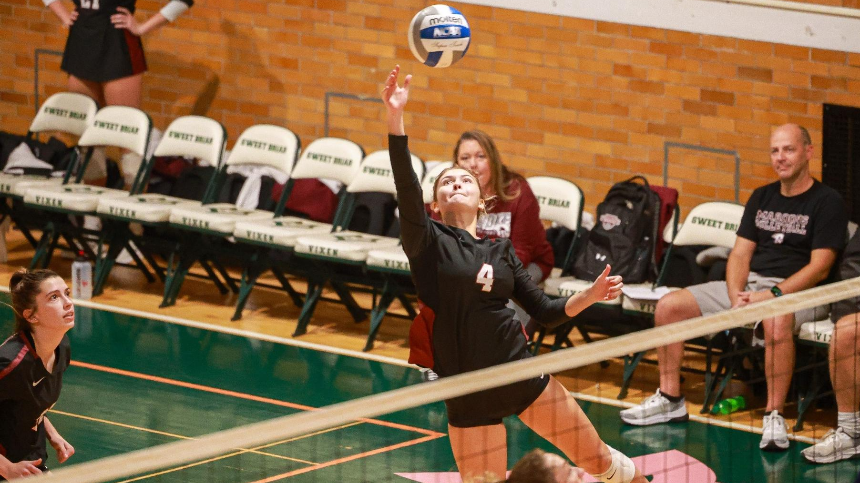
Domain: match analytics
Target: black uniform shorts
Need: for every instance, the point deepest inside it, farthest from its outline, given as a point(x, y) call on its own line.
point(489, 407)
point(97, 51)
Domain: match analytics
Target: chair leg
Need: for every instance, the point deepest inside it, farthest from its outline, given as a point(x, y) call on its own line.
point(115, 239)
point(630, 364)
point(728, 373)
point(250, 274)
point(138, 261)
point(47, 241)
point(314, 292)
point(298, 301)
point(27, 234)
point(538, 342)
point(176, 276)
point(389, 293)
point(710, 377)
point(806, 399)
point(204, 262)
point(407, 305)
point(562, 335)
point(358, 313)
point(228, 280)
point(159, 272)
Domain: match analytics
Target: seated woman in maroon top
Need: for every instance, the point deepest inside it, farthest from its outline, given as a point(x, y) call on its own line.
point(514, 211)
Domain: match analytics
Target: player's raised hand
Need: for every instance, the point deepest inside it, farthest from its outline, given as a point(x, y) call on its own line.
point(393, 96)
point(606, 287)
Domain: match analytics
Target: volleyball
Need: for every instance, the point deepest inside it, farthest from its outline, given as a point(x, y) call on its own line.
point(439, 36)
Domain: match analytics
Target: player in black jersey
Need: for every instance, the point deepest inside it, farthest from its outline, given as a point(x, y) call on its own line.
point(104, 54)
point(464, 284)
point(32, 362)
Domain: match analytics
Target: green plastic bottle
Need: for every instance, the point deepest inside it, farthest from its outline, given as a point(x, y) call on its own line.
point(729, 405)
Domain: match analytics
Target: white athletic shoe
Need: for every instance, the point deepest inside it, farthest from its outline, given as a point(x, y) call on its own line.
point(428, 375)
point(774, 435)
point(655, 410)
point(836, 445)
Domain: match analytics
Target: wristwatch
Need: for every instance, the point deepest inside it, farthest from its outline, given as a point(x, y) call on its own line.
point(776, 291)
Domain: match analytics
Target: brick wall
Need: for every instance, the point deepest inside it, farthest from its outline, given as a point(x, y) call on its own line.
point(590, 101)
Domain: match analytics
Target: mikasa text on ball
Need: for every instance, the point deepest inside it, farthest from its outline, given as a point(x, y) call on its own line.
point(439, 36)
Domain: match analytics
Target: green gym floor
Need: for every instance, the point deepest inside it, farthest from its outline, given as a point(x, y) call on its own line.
point(136, 383)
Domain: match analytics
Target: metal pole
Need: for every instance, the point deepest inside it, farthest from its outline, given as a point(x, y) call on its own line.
point(344, 95)
point(668, 145)
point(36, 74)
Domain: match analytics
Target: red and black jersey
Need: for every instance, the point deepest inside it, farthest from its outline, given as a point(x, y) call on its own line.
point(98, 51)
point(464, 284)
point(27, 391)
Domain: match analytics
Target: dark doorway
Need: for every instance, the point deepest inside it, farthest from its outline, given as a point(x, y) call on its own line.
point(840, 155)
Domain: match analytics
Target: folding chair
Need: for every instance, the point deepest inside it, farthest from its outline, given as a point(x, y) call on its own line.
point(329, 158)
point(715, 224)
point(64, 112)
point(118, 126)
point(391, 265)
point(339, 258)
point(206, 230)
point(188, 136)
point(816, 336)
point(561, 202)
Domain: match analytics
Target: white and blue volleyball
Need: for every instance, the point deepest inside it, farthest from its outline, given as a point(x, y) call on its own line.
point(439, 36)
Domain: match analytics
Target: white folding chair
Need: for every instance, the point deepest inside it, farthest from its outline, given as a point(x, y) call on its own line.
point(207, 229)
point(64, 112)
point(712, 223)
point(335, 159)
point(195, 137)
point(330, 252)
point(561, 202)
point(117, 126)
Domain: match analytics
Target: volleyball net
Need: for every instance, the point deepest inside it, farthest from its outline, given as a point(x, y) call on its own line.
point(401, 435)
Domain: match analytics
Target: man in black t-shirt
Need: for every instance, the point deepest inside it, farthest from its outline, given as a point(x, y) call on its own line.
point(790, 235)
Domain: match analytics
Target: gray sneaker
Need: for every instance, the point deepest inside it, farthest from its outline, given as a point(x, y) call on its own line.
point(836, 445)
point(774, 436)
point(655, 410)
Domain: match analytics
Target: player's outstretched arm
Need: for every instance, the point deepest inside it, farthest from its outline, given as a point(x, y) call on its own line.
point(606, 287)
point(414, 225)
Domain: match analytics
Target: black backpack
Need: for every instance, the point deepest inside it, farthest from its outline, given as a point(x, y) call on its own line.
point(623, 235)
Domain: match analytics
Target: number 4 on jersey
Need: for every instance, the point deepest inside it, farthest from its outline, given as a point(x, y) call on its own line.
point(485, 277)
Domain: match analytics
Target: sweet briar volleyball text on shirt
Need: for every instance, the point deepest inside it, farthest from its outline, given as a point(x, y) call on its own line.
point(787, 228)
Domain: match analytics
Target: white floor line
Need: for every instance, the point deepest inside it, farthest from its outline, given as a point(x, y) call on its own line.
point(377, 358)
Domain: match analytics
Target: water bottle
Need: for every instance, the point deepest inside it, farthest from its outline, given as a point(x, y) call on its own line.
point(730, 405)
point(82, 278)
